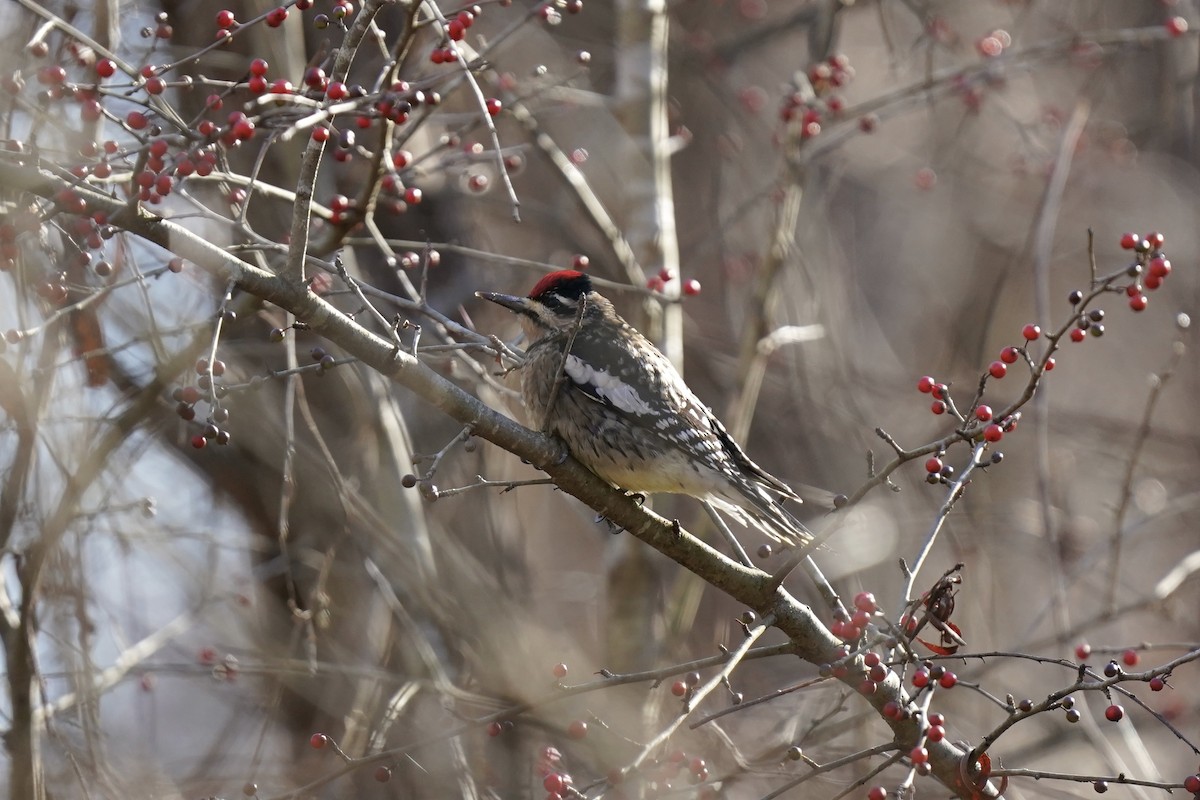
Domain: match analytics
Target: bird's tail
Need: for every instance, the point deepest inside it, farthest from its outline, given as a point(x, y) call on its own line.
point(754, 508)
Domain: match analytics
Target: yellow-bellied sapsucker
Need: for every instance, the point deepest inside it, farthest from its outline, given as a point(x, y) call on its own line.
point(625, 412)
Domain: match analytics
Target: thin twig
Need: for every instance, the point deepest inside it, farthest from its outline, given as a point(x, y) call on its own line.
point(560, 374)
point(1139, 442)
point(734, 658)
point(734, 544)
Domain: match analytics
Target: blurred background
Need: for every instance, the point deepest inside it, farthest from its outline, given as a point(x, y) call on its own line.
point(197, 613)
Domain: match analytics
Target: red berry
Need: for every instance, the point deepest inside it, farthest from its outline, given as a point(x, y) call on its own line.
point(877, 793)
point(940, 391)
point(1031, 332)
point(105, 68)
point(336, 91)
point(920, 678)
point(679, 688)
point(1156, 240)
point(938, 407)
point(1082, 651)
point(1129, 241)
point(554, 782)
point(993, 433)
point(52, 75)
point(983, 413)
point(1138, 303)
point(318, 740)
point(1159, 267)
point(925, 384)
point(1009, 355)
point(225, 18)
point(1114, 713)
point(1152, 282)
point(1077, 335)
point(1177, 26)
point(1049, 364)
point(243, 129)
point(1130, 657)
point(868, 687)
point(412, 196)
point(933, 465)
point(948, 680)
point(258, 67)
point(997, 369)
point(494, 729)
point(935, 733)
point(198, 441)
point(691, 287)
point(1191, 784)
point(865, 601)
point(918, 755)
point(577, 729)
point(560, 671)
point(494, 106)
point(1157, 684)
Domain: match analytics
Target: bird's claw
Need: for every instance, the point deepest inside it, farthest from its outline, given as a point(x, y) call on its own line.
point(613, 527)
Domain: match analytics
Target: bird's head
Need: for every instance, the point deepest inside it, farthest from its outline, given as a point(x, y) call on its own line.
point(552, 306)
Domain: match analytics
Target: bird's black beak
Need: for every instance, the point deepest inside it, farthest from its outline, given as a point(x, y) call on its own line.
point(513, 303)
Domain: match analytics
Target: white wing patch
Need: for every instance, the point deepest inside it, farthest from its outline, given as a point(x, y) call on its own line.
point(606, 386)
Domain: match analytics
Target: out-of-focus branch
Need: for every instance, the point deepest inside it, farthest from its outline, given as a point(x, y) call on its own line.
point(306, 182)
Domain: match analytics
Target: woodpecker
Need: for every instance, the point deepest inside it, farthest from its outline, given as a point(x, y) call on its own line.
point(624, 411)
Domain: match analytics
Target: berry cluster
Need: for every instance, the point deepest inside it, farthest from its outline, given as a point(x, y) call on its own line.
point(209, 390)
point(851, 629)
point(658, 283)
point(1149, 270)
point(805, 108)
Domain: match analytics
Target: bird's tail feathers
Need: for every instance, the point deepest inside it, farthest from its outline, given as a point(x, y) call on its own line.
point(763, 513)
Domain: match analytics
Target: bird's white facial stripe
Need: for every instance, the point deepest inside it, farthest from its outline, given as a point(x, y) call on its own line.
point(607, 386)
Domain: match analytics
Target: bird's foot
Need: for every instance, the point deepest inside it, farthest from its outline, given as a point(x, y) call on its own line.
point(638, 498)
point(613, 527)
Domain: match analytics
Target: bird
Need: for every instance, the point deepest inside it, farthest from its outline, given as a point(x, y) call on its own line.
point(624, 411)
